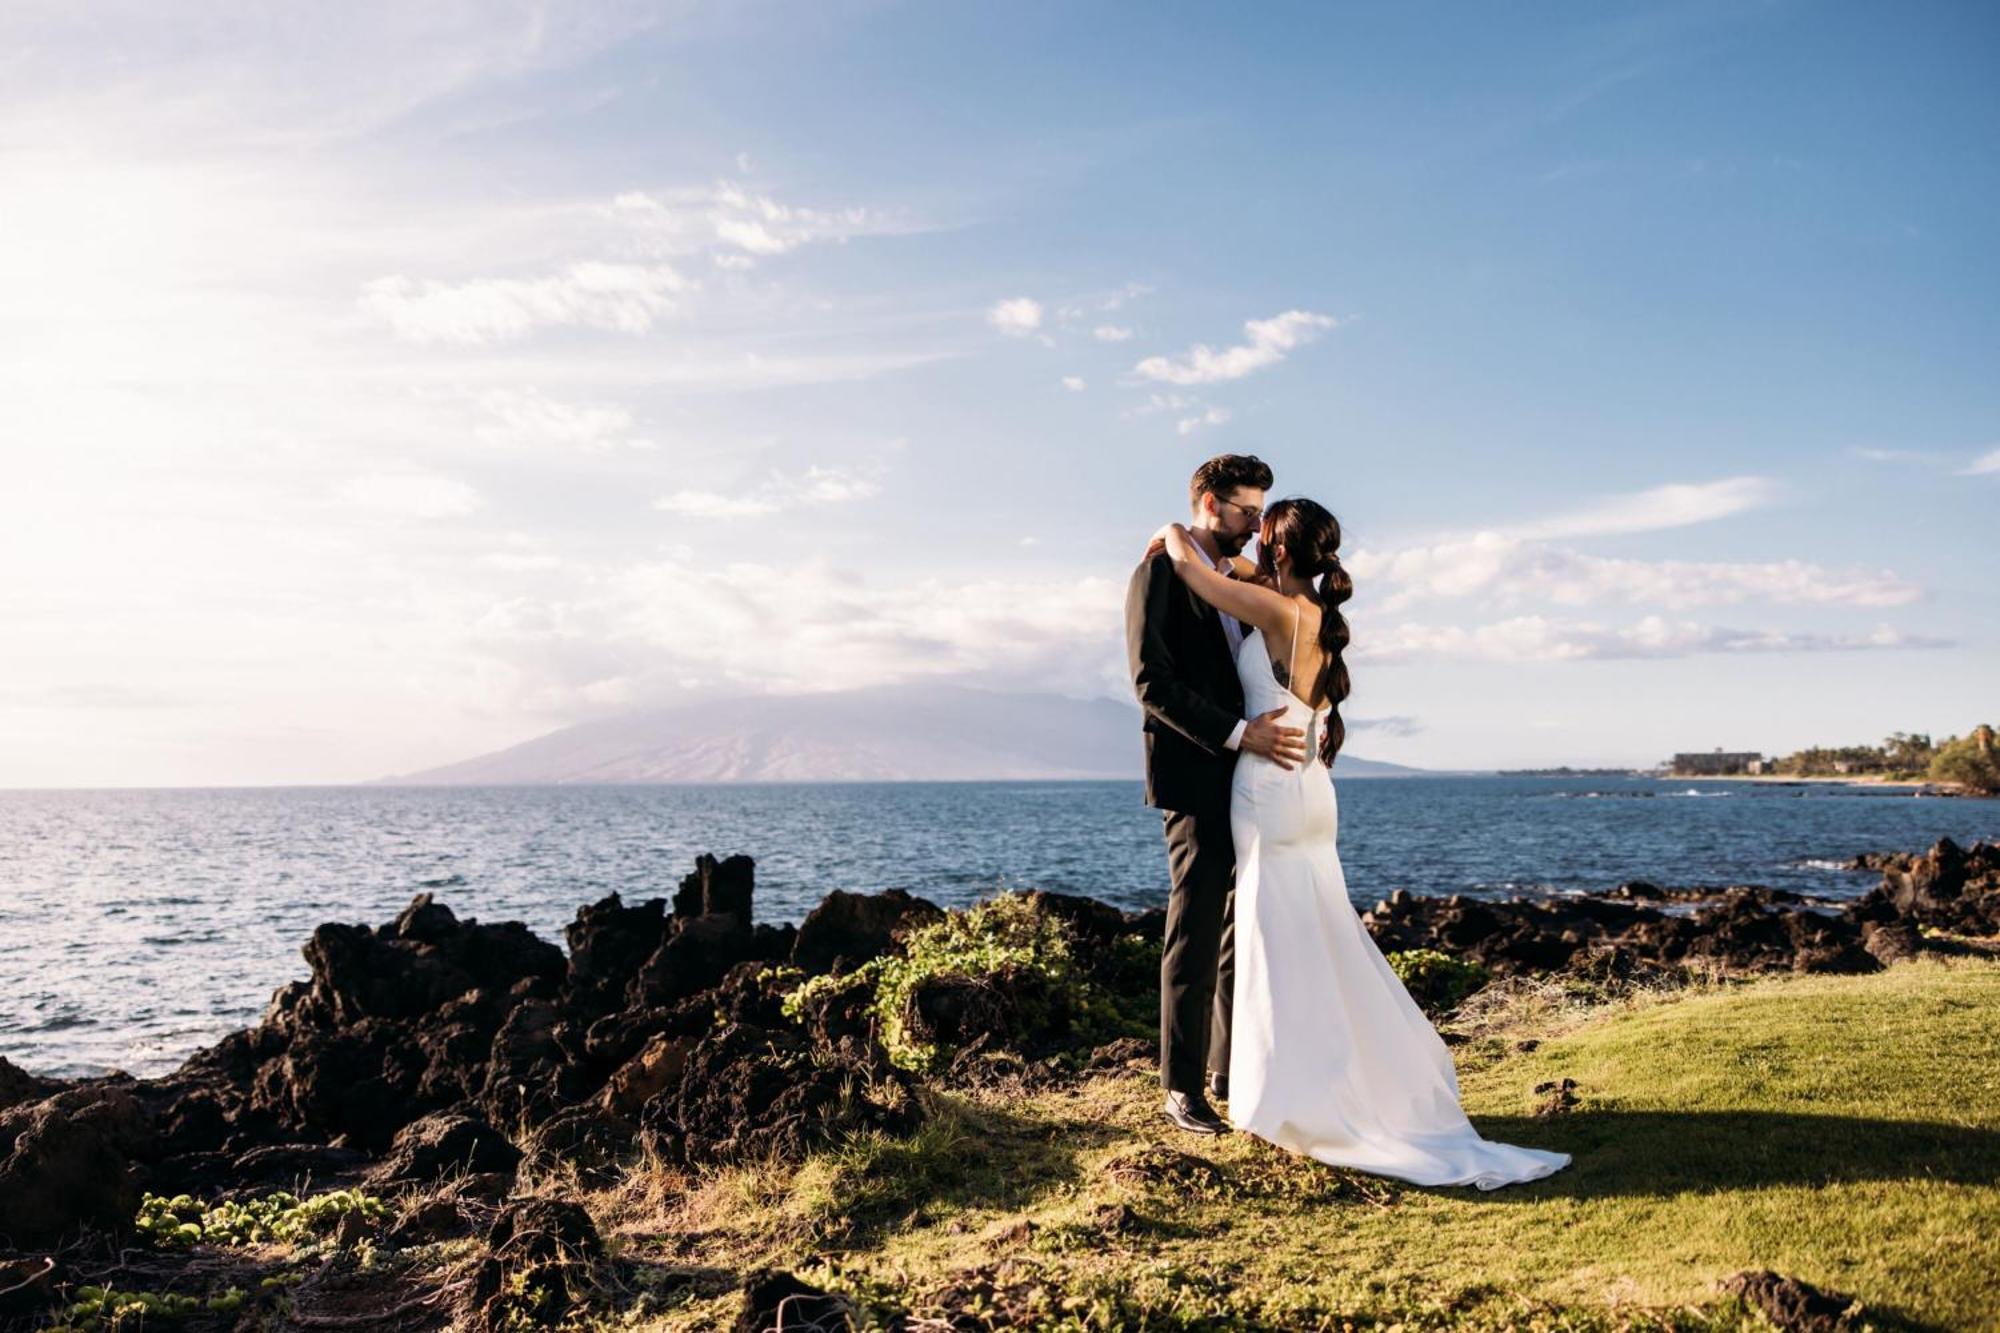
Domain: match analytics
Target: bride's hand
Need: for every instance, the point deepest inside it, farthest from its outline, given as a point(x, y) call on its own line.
point(1174, 537)
point(1158, 541)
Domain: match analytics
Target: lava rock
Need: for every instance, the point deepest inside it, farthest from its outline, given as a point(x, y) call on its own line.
point(67, 1163)
point(775, 1302)
point(748, 1092)
point(718, 888)
point(842, 1020)
point(428, 1220)
point(17, 1085)
point(645, 1076)
point(1892, 941)
point(434, 1147)
point(848, 929)
point(541, 1258)
point(25, 1283)
point(697, 953)
point(1792, 1305)
point(1013, 1008)
point(292, 1163)
point(1558, 1097)
point(1949, 887)
point(584, 1139)
point(526, 1073)
point(608, 943)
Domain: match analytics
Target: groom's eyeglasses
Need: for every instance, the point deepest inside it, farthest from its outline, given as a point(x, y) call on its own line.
point(1251, 512)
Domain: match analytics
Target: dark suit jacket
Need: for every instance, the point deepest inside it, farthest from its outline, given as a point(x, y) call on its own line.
point(1187, 687)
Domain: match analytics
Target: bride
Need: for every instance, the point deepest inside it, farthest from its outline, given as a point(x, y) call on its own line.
point(1330, 1056)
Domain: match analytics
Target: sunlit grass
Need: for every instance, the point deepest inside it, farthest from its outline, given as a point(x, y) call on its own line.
point(1842, 1130)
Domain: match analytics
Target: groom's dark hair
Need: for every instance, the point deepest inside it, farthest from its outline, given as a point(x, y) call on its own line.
point(1224, 473)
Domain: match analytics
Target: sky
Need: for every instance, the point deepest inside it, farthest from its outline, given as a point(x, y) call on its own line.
point(381, 385)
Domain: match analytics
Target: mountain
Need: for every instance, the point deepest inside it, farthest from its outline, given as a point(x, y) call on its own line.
point(903, 733)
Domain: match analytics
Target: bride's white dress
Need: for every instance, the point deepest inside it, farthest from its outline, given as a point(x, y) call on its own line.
point(1329, 1056)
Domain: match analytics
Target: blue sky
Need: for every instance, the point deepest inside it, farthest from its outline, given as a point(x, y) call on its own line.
point(379, 388)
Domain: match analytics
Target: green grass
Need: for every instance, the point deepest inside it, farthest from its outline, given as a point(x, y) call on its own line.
point(1844, 1130)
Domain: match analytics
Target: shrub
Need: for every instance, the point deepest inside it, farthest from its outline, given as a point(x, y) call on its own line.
point(1002, 937)
point(1026, 958)
point(1973, 762)
point(1437, 981)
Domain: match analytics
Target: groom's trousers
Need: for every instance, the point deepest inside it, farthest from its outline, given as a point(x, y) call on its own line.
point(1197, 962)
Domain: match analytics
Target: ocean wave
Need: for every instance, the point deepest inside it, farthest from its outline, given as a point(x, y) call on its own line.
point(1603, 795)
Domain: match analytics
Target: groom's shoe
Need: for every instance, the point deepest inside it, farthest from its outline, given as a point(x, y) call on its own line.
point(1218, 1087)
point(1192, 1114)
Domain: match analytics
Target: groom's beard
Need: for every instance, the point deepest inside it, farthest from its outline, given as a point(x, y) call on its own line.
point(1229, 545)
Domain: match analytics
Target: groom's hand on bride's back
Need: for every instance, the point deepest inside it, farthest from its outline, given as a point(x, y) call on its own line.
point(1282, 745)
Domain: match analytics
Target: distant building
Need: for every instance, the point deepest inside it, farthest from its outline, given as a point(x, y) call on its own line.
point(1716, 763)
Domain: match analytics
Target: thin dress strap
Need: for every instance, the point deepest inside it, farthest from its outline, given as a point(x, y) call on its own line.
point(1292, 657)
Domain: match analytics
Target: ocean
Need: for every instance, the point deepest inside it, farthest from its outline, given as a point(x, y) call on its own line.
point(137, 926)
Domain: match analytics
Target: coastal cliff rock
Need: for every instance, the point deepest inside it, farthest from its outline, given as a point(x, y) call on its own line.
point(17, 1085)
point(68, 1162)
point(433, 1047)
point(748, 1092)
point(849, 929)
point(1740, 929)
point(1948, 887)
point(607, 943)
point(433, 1147)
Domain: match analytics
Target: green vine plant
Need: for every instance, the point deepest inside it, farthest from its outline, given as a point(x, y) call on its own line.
point(1438, 982)
point(280, 1218)
point(1006, 935)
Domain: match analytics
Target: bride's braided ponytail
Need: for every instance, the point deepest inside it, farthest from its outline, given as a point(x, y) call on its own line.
point(1334, 587)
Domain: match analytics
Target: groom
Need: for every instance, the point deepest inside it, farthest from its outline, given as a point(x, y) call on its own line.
point(1183, 657)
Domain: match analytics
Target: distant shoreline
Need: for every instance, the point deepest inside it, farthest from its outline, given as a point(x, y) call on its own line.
point(1838, 779)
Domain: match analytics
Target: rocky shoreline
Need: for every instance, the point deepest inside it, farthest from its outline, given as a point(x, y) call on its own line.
point(431, 1063)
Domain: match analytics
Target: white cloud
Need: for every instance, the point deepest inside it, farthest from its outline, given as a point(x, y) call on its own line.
point(1270, 340)
point(411, 495)
point(528, 419)
point(779, 492)
point(713, 504)
point(1074, 383)
point(1213, 416)
point(679, 220)
point(624, 298)
point(1017, 317)
point(1131, 291)
point(798, 628)
point(763, 226)
point(1111, 333)
point(1541, 639)
point(1893, 455)
point(622, 281)
point(1985, 465)
point(1507, 570)
point(1671, 506)
point(1393, 725)
point(822, 485)
point(517, 562)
